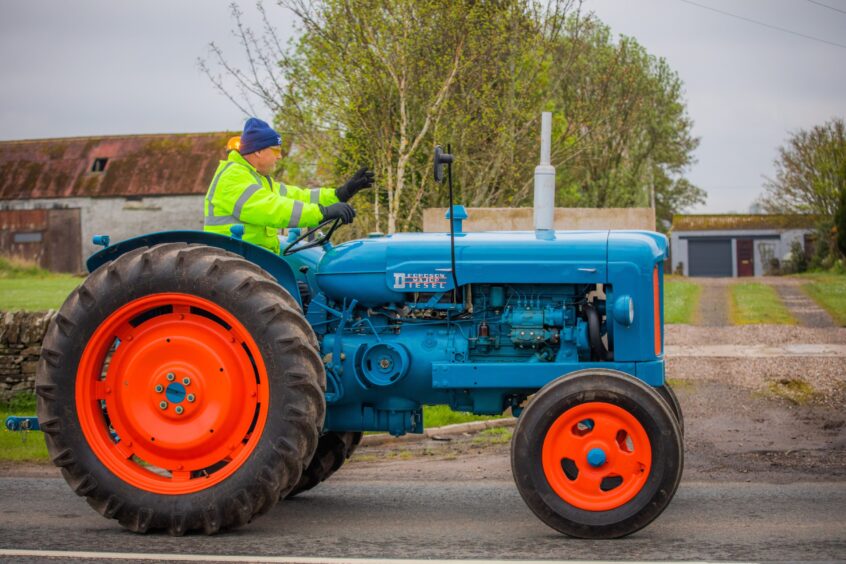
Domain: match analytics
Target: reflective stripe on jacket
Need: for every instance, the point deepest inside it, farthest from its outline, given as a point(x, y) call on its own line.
point(239, 194)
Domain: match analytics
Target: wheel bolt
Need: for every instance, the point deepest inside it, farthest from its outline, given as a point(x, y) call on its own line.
point(159, 388)
point(163, 404)
point(179, 409)
point(171, 376)
point(186, 381)
point(191, 398)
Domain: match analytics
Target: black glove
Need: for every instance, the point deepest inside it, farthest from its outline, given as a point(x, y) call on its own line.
point(359, 181)
point(342, 210)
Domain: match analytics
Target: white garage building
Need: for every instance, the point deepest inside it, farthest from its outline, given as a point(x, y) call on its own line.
point(732, 245)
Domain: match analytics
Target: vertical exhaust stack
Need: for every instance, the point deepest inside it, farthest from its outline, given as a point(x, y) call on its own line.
point(545, 179)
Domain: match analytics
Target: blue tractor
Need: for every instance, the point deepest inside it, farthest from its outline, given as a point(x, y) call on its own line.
point(192, 380)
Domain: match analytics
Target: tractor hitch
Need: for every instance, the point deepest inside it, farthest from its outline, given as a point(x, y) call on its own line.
point(20, 423)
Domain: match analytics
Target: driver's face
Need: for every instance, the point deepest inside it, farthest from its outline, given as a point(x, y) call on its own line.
point(266, 159)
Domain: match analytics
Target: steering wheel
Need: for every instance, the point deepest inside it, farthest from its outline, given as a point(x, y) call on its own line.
point(294, 247)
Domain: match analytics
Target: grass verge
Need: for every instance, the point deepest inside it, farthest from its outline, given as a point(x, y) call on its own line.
point(11, 267)
point(25, 286)
point(494, 436)
point(681, 300)
point(34, 294)
point(440, 415)
point(21, 446)
point(829, 291)
point(757, 303)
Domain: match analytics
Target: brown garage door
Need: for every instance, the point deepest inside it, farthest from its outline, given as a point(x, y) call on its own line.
point(745, 257)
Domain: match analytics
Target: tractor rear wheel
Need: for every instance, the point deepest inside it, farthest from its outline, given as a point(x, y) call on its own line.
point(333, 449)
point(597, 454)
point(179, 390)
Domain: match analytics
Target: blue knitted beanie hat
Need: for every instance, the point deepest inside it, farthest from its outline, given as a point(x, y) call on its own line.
point(258, 135)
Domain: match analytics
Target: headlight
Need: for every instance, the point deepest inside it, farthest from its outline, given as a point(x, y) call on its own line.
point(624, 310)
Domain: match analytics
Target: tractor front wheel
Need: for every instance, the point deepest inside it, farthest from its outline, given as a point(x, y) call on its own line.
point(668, 395)
point(179, 390)
point(597, 454)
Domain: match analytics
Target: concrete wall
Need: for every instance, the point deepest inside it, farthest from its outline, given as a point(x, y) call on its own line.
point(122, 218)
point(777, 241)
point(522, 219)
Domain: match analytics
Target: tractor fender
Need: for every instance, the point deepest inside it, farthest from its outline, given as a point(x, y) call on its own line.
point(277, 266)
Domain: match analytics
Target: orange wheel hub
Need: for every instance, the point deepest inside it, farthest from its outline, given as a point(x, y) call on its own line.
point(596, 456)
point(172, 393)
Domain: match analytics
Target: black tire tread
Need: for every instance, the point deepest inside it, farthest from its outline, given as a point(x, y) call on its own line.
point(669, 395)
point(333, 449)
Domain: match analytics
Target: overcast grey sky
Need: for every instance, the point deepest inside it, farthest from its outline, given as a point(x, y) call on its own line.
point(105, 67)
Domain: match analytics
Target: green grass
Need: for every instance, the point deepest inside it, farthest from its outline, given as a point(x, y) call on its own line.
point(35, 294)
point(757, 303)
point(440, 415)
point(829, 291)
point(24, 286)
point(21, 446)
point(494, 436)
point(681, 300)
point(17, 268)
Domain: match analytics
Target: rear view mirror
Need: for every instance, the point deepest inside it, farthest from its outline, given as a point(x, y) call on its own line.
point(441, 159)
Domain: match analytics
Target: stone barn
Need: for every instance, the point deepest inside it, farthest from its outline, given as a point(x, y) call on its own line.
point(56, 194)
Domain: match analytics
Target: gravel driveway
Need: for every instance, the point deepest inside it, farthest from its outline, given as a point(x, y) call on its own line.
point(714, 301)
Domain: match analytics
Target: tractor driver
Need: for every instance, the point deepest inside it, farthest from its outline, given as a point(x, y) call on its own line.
point(242, 191)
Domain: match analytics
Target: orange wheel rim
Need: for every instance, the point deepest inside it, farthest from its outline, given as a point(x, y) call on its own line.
point(596, 456)
point(172, 393)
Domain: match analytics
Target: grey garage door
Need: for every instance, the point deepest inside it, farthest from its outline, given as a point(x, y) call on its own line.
point(709, 258)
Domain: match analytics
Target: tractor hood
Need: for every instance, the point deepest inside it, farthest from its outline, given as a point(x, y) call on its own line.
point(381, 270)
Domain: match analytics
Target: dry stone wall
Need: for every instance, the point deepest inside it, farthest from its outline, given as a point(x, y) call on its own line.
point(21, 333)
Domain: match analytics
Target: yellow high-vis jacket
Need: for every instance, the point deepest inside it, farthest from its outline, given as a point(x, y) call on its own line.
point(239, 194)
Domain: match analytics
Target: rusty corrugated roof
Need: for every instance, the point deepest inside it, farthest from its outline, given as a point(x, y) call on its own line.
point(137, 165)
point(727, 222)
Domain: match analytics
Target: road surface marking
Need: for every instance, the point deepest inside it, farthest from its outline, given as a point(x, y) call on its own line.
point(280, 559)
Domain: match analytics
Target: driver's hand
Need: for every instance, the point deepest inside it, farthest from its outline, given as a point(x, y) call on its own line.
point(363, 178)
point(340, 210)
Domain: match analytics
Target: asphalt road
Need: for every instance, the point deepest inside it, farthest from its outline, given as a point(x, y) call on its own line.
point(457, 520)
